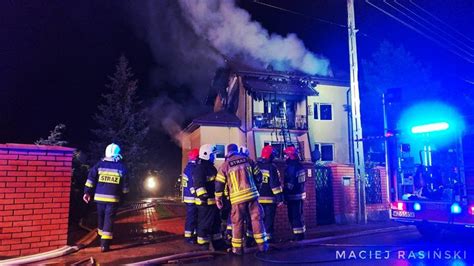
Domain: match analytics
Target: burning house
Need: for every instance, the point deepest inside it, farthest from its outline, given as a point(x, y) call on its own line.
point(258, 108)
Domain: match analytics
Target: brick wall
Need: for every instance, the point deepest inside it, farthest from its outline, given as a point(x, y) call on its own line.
point(35, 185)
point(345, 196)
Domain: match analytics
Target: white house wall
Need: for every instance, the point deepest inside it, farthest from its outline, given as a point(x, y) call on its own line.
point(222, 136)
point(333, 131)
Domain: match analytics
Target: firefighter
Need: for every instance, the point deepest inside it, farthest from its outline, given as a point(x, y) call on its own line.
point(204, 175)
point(189, 195)
point(294, 192)
point(108, 182)
point(270, 191)
point(241, 178)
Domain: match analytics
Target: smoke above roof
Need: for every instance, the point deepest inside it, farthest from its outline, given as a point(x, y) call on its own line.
point(231, 31)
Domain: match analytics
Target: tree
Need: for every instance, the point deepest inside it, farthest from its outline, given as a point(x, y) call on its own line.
point(392, 67)
point(55, 137)
point(123, 121)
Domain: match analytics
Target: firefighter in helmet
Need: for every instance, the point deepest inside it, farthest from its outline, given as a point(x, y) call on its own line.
point(241, 178)
point(108, 182)
point(204, 175)
point(189, 195)
point(294, 191)
point(270, 191)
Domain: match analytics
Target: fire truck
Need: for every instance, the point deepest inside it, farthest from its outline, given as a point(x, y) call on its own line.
point(430, 161)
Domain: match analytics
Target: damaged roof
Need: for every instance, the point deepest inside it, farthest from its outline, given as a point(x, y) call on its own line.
point(219, 119)
point(271, 84)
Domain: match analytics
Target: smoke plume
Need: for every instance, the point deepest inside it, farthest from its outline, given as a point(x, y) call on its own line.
point(189, 40)
point(231, 31)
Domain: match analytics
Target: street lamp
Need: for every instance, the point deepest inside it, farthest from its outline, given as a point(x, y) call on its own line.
point(151, 183)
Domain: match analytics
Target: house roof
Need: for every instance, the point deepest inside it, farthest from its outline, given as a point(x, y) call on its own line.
point(266, 87)
point(271, 84)
point(219, 119)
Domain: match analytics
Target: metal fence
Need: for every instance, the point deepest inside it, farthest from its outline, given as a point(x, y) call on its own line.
point(373, 186)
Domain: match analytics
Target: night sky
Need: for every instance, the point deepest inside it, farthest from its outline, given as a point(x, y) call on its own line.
point(55, 56)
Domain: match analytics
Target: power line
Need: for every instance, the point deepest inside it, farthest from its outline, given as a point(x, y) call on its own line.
point(441, 21)
point(301, 14)
point(434, 26)
point(428, 29)
point(418, 31)
point(325, 21)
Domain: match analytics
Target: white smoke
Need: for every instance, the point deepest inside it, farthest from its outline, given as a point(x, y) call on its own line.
point(230, 30)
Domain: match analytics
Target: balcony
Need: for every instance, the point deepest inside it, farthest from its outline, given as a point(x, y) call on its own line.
point(262, 120)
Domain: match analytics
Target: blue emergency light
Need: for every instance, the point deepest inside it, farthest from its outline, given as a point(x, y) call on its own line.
point(455, 208)
point(430, 128)
point(417, 206)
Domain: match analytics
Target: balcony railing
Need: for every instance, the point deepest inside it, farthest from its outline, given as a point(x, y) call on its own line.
point(261, 120)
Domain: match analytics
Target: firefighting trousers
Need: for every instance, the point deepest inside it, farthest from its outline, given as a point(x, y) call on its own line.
point(269, 211)
point(190, 223)
point(296, 218)
point(208, 225)
point(238, 213)
point(106, 215)
point(269, 218)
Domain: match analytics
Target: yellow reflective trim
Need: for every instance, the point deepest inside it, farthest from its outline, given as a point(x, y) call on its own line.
point(220, 178)
point(201, 191)
point(106, 237)
point(219, 194)
point(256, 170)
point(233, 179)
point(106, 199)
point(109, 173)
point(277, 190)
point(267, 201)
point(89, 184)
point(236, 245)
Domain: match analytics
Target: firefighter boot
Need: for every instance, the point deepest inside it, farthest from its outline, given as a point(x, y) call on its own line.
point(263, 247)
point(104, 245)
point(237, 251)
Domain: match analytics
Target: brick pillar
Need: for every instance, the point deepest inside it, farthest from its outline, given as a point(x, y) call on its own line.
point(35, 184)
point(344, 192)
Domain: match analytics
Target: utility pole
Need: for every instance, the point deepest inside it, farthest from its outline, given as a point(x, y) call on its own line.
point(358, 146)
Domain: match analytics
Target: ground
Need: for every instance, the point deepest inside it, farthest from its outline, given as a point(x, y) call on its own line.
point(147, 232)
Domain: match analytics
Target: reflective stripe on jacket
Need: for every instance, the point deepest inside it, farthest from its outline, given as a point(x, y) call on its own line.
point(241, 176)
point(108, 180)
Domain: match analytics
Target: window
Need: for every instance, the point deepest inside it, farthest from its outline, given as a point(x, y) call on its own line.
point(322, 111)
point(327, 152)
point(326, 111)
point(220, 154)
point(315, 111)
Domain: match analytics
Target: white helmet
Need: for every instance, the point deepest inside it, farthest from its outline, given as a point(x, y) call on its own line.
point(206, 150)
point(244, 151)
point(112, 152)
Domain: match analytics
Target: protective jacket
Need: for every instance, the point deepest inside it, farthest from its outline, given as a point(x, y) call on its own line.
point(109, 180)
point(270, 191)
point(187, 184)
point(241, 176)
point(204, 175)
point(295, 177)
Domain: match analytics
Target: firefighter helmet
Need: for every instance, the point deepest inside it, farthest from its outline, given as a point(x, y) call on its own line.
point(112, 152)
point(267, 152)
point(193, 154)
point(291, 152)
point(206, 151)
